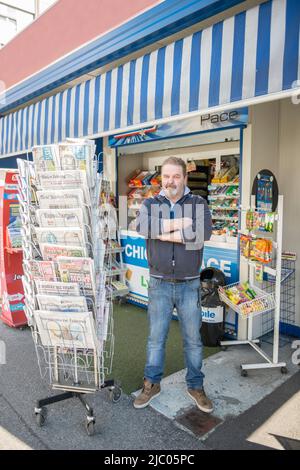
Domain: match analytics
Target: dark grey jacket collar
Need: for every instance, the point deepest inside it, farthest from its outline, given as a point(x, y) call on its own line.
point(162, 197)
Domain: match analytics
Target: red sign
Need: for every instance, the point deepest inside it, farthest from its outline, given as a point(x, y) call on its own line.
point(11, 254)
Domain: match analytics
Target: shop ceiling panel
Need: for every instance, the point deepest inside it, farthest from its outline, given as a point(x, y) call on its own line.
point(246, 57)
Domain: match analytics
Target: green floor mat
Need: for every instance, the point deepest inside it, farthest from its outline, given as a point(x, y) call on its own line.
point(131, 331)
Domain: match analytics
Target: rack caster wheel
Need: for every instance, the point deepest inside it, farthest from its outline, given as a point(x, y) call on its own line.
point(90, 427)
point(40, 417)
point(224, 348)
point(115, 394)
point(283, 370)
point(244, 373)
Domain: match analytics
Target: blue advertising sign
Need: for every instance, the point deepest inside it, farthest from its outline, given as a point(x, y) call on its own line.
point(194, 125)
point(226, 260)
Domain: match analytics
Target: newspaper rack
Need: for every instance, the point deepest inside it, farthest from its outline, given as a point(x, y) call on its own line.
point(68, 299)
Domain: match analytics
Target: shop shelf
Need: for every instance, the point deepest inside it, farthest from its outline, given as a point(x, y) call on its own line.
point(212, 185)
point(145, 186)
point(223, 196)
point(235, 219)
point(217, 208)
point(263, 302)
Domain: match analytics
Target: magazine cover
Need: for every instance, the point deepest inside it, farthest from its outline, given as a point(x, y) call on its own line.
point(61, 236)
point(80, 270)
point(71, 179)
point(42, 270)
point(46, 158)
point(103, 322)
point(66, 330)
point(51, 252)
point(57, 288)
point(62, 303)
point(77, 155)
point(61, 217)
point(60, 199)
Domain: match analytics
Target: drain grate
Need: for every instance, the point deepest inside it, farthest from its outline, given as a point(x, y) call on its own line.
point(198, 422)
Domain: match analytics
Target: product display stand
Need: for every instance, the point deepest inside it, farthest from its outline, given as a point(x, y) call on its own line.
point(68, 302)
point(266, 298)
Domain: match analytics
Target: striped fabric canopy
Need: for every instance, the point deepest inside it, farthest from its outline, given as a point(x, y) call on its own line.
point(245, 57)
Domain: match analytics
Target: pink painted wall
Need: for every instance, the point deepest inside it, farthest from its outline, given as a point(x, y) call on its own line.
point(63, 28)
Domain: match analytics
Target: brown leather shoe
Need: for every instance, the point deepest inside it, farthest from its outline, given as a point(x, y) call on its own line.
point(147, 394)
point(203, 403)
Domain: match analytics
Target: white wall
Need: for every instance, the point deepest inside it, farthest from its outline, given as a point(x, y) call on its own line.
point(275, 145)
point(19, 14)
point(151, 159)
point(14, 20)
point(289, 182)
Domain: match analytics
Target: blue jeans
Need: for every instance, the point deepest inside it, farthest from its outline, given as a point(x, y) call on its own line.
point(163, 297)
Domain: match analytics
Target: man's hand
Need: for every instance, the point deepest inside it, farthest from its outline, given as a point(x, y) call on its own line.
point(174, 237)
point(172, 225)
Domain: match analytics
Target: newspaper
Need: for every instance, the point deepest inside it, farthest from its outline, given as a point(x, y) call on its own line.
point(42, 270)
point(71, 236)
point(46, 158)
point(79, 270)
point(77, 155)
point(50, 252)
point(60, 199)
point(66, 330)
point(72, 179)
point(76, 217)
point(57, 288)
point(103, 322)
point(62, 304)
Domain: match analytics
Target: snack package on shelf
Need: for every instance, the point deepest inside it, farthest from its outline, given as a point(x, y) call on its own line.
point(137, 193)
point(262, 250)
point(245, 245)
point(259, 272)
point(151, 192)
point(137, 181)
point(259, 249)
point(262, 221)
point(219, 175)
point(148, 178)
point(229, 174)
point(156, 179)
point(134, 203)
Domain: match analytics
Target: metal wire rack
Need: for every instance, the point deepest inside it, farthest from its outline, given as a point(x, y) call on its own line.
point(287, 304)
point(68, 302)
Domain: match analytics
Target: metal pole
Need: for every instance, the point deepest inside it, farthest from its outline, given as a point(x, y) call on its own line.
point(278, 279)
point(36, 8)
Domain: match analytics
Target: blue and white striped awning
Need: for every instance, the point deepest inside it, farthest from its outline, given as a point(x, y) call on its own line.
point(244, 59)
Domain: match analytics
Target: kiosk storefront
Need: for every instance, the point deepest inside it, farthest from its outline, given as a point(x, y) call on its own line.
point(243, 60)
point(211, 145)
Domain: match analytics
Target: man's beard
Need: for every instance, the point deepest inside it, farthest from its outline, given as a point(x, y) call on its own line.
point(172, 191)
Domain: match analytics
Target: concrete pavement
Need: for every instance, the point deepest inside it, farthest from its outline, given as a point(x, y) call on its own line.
point(259, 411)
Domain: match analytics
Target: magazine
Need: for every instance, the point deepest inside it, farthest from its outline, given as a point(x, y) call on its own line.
point(62, 303)
point(50, 252)
point(60, 199)
point(72, 179)
point(79, 270)
point(66, 329)
point(46, 157)
point(61, 217)
point(61, 236)
point(103, 322)
point(77, 155)
point(41, 270)
point(57, 288)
